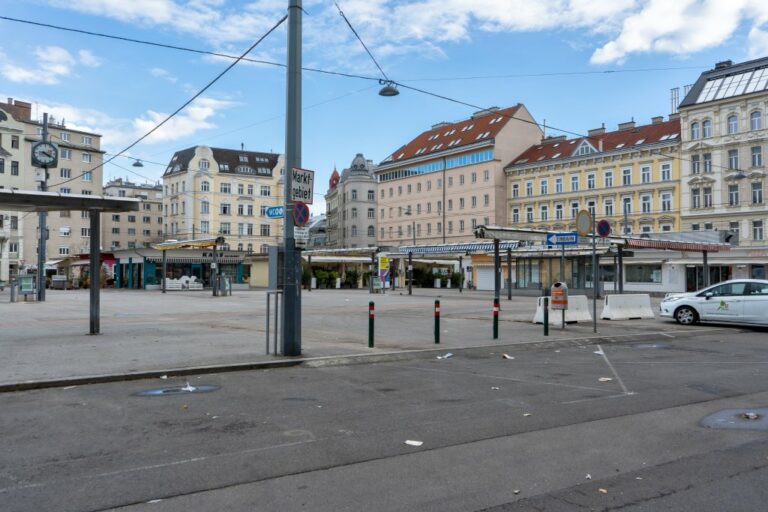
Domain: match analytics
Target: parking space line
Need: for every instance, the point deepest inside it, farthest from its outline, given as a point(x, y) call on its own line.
point(621, 395)
point(615, 373)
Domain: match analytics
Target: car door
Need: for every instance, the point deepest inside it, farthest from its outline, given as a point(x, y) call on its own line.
point(756, 304)
point(726, 304)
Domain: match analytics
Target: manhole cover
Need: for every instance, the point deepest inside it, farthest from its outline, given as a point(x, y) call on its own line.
point(179, 390)
point(649, 346)
point(739, 419)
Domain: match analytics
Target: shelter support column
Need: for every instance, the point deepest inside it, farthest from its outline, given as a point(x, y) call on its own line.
point(706, 268)
point(620, 269)
point(130, 273)
point(496, 269)
point(95, 271)
point(461, 273)
point(509, 273)
point(118, 273)
point(165, 269)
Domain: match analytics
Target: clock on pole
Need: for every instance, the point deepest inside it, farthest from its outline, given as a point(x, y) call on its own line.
point(45, 154)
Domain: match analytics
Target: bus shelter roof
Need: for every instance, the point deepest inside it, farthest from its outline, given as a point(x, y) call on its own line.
point(36, 201)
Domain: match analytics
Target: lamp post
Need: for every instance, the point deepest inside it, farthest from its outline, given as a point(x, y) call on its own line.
point(410, 253)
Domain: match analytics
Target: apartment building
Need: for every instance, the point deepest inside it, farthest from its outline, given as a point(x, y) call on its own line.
point(79, 172)
point(14, 154)
point(351, 206)
point(216, 191)
point(724, 140)
point(440, 185)
point(133, 229)
point(629, 176)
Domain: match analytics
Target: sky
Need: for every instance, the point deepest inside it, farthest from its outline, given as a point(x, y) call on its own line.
point(575, 64)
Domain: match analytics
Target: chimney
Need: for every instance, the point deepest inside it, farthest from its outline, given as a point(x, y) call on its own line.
point(558, 138)
point(596, 131)
point(629, 125)
point(10, 101)
point(24, 108)
point(723, 64)
point(674, 116)
point(242, 146)
point(439, 125)
point(485, 112)
point(657, 120)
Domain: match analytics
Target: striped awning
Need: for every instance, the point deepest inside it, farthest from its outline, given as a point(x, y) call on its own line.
point(195, 259)
point(460, 248)
point(672, 245)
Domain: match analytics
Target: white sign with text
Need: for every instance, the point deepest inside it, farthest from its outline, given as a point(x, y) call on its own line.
point(302, 185)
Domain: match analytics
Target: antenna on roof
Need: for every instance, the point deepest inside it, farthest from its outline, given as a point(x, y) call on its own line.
point(544, 129)
point(242, 146)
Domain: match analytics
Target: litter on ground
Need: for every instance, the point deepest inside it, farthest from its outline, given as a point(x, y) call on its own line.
point(414, 443)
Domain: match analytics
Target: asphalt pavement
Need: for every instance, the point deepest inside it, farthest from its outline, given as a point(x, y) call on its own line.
point(604, 426)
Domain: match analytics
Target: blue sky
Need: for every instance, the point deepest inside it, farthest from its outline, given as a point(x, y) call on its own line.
point(121, 89)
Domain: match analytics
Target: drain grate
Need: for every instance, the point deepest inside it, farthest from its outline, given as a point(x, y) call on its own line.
point(179, 390)
point(738, 419)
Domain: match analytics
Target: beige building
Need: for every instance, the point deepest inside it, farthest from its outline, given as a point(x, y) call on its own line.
point(133, 229)
point(14, 154)
point(210, 191)
point(78, 172)
point(449, 179)
point(351, 206)
point(633, 170)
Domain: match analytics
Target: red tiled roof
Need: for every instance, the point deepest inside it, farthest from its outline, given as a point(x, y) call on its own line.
point(468, 131)
point(334, 179)
point(639, 136)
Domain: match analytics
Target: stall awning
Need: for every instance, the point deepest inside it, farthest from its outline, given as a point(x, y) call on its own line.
point(460, 248)
point(672, 245)
point(225, 260)
point(337, 259)
point(198, 243)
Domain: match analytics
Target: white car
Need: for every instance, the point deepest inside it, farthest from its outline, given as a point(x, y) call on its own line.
point(742, 301)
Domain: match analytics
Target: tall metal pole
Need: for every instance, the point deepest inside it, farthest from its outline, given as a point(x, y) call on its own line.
point(595, 285)
point(291, 315)
point(461, 273)
point(410, 272)
point(95, 271)
point(509, 273)
point(43, 230)
point(496, 270)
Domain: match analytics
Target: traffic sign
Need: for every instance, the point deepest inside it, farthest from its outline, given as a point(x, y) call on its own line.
point(302, 185)
point(603, 228)
point(584, 223)
point(300, 213)
point(567, 238)
point(275, 212)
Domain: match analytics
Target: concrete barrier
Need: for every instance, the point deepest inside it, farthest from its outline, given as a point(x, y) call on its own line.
point(578, 311)
point(627, 307)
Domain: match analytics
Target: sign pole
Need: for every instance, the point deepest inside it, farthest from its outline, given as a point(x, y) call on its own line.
point(595, 285)
point(291, 315)
point(42, 225)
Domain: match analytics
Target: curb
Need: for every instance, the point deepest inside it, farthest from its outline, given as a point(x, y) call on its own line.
point(340, 360)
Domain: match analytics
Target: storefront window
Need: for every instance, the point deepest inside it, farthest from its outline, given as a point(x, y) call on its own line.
point(643, 273)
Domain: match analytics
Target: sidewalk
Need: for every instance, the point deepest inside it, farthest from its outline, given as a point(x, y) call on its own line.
point(151, 332)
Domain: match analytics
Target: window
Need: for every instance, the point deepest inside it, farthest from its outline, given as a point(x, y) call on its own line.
point(529, 214)
point(645, 174)
point(450, 226)
point(733, 195)
point(608, 206)
point(695, 164)
point(265, 191)
point(695, 198)
point(63, 251)
point(132, 218)
point(626, 203)
point(608, 179)
point(757, 156)
point(733, 158)
point(666, 172)
point(706, 128)
point(115, 218)
point(88, 176)
point(439, 227)
point(249, 229)
point(372, 213)
point(146, 220)
point(707, 162)
point(240, 189)
point(695, 131)
point(2, 166)
point(225, 209)
point(354, 213)
point(544, 212)
point(461, 226)
point(14, 223)
point(225, 188)
point(371, 231)
point(558, 185)
point(115, 231)
point(354, 195)
point(205, 206)
point(461, 203)
point(264, 229)
point(450, 205)
point(590, 181)
point(85, 140)
point(643, 273)
point(224, 228)
point(544, 187)
point(529, 188)
point(515, 190)
point(474, 177)
point(626, 177)
point(14, 142)
point(86, 192)
point(64, 213)
point(429, 185)
point(559, 211)
point(132, 231)
point(372, 194)
point(755, 121)
point(666, 202)
point(65, 173)
point(574, 209)
point(486, 200)
point(574, 183)
point(65, 154)
point(382, 193)
point(65, 190)
point(14, 168)
point(461, 179)
point(418, 187)
point(87, 158)
point(474, 201)
point(757, 230)
point(450, 181)
point(707, 197)
point(486, 175)
point(757, 193)
point(733, 124)
point(240, 209)
point(645, 204)
point(65, 231)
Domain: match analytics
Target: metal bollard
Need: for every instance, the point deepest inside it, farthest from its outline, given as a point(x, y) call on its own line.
point(370, 324)
point(546, 316)
point(437, 322)
point(495, 318)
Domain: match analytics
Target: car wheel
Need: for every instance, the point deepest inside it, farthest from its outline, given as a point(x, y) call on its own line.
point(686, 315)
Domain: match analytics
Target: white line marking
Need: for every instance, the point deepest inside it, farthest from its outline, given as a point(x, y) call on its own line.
point(667, 335)
point(615, 374)
point(597, 398)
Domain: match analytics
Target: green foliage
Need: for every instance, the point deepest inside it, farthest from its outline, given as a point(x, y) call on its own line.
point(352, 277)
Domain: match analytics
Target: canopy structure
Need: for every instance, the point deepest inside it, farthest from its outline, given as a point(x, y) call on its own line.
point(34, 201)
point(198, 243)
point(459, 248)
point(673, 245)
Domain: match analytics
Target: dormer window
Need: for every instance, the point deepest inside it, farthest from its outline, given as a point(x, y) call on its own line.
point(468, 127)
point(482, 135)
point(585, 148)
point(204, 164)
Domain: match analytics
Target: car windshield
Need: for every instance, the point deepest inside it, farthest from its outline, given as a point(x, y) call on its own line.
point(728, 289)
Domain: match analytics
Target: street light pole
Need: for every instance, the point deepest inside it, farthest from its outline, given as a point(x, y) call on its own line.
point(291, 306)
point(42, 216)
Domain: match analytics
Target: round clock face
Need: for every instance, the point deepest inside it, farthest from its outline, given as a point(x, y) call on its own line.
point(44, 153)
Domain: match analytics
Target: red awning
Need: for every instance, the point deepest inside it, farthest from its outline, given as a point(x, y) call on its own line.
point(672, 245)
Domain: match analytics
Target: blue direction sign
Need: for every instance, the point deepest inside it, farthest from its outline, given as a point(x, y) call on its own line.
point(275, 212)
point(567, 238)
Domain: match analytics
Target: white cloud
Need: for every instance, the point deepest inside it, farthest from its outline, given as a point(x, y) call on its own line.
point(198, 116)
point(164, 74)
point(52, 64)
point(87, 58)
point(758, 43)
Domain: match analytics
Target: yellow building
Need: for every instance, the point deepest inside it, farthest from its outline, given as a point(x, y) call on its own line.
point(213, 191)
point(633, 172)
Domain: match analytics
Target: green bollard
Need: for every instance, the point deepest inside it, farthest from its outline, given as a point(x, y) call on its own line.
point(437, 322)
point(495, 318)
point(370, 324)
